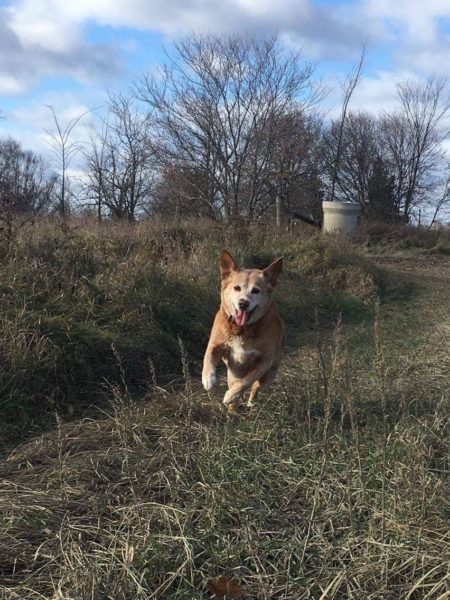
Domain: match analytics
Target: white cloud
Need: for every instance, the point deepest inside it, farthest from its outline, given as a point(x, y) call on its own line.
point(43, 24)
point(416, 26)
point(50, 32)
point(431, 59)
point(54, 23)
point(415, 18)
point(379, 93)
point(48, 37)
point(10, 85)
point(29, 122)
point(374, 94)
point(39, 39)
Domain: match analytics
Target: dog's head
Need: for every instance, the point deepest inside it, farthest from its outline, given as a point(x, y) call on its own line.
point(246, 293)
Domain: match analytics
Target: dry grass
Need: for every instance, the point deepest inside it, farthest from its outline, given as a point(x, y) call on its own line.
point(297, 501)
point(396, 239)
point(70, 293)
point(334, 488)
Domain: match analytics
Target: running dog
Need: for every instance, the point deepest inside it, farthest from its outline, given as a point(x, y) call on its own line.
point(248, 334)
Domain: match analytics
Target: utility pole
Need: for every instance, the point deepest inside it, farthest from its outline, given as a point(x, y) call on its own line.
point(278, 210)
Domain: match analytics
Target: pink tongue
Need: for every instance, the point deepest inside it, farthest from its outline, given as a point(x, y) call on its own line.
point(241, 318)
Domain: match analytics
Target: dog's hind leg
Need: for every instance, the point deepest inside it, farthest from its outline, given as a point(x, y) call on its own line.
point(232, 380)
point(240, 386)
point(266, 379)
point(254, 393)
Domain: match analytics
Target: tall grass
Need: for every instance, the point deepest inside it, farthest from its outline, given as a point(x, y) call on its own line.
point(69, 294)
point(330, 490)
point(391, 238)
point(333, 488)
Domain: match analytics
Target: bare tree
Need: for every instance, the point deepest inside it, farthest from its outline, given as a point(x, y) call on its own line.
point(412, 138)
point(393, 164)
point(382, 203)
point(65, 149)
point(363, 174)
point(179, 192)
point(27, 186)
point(120, 165)
point(292, 169)
point(348, 88)
point(95, 164)
point(442, 199)
point(214, 108)
point(357, 141)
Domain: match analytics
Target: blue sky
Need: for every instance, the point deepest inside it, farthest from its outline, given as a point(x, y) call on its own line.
point(69, 53)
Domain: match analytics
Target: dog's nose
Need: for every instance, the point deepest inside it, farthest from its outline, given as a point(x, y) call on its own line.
point(243, 304)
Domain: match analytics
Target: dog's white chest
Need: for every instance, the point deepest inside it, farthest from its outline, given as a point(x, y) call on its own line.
point(239, 351)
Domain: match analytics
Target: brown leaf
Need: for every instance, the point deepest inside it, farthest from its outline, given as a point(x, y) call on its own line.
point(225, 588)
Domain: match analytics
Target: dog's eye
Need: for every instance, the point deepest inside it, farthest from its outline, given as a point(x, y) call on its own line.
point(255, 291)
point(237, 288)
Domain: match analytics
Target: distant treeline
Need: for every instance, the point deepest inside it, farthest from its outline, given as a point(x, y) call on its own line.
point(224, 129)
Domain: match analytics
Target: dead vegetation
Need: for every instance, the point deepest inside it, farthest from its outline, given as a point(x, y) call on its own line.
point(334, 487)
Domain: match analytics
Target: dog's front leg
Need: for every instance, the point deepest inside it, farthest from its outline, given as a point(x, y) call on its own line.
point(212, 358)
point(242, 385)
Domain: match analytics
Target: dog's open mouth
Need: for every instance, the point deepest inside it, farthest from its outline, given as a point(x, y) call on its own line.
point(242, 316)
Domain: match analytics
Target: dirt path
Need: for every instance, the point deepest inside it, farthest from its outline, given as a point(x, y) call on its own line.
point(435, 267)
point(431, 277)
point(425, 319)
point(415, 321)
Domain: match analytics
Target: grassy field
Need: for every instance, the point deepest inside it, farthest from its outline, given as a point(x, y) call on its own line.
point(123, 479)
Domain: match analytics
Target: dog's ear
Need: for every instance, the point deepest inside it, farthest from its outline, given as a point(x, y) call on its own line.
point(227, 264)
point(272, 272)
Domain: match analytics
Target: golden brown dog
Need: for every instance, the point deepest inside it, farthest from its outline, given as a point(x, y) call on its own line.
point(248, 333)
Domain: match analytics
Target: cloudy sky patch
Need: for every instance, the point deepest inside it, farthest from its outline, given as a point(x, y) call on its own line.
point(69, 53)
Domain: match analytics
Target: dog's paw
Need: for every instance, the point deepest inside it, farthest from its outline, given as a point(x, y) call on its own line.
point(229, 398)
point(209, 380)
